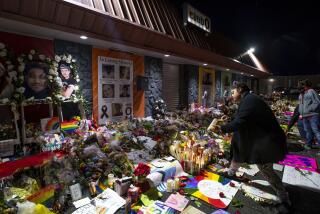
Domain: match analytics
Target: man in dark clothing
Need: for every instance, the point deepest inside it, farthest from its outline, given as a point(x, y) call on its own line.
point(257, 137)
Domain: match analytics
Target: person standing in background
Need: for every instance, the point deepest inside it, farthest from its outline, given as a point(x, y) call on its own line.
point(309, 105)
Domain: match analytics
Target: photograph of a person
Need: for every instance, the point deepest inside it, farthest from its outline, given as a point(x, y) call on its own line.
point(206, 79)
point(36, 81)
point(108, 71)
point(124, 90)
point(124, 72)
point(107, 90)
point(117, 109)
point(68, 81)
point(6, 88)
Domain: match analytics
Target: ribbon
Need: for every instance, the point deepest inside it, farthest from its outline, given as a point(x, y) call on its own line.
point(104, 110)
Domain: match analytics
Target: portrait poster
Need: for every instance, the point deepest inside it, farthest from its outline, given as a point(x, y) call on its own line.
point(115, 89)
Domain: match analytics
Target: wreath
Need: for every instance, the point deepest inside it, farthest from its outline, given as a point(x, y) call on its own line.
point(70, 62)
point(52, 76)
point(8, 74)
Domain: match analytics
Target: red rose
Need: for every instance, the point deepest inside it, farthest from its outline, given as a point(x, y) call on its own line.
point(221, 194)
point(232, 184)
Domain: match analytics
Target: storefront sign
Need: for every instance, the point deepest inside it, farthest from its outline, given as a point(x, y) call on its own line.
point(192, 15)
point(115, 89)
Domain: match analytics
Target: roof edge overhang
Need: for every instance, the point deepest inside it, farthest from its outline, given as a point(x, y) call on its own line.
point(120, 31)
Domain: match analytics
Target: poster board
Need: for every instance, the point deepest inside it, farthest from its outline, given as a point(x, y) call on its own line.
point(207, 83)
point(115, 89)
point(9, 131)
point(31, 116)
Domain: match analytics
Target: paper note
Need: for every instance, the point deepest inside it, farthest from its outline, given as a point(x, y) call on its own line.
point(157, 207)
point(76, 193)
point(277, 167)
point(87, 209)
point(192, 210)
point(302, 178)
point(108, 202)
point(81, 202)
point(177, 202)
point(252, 171)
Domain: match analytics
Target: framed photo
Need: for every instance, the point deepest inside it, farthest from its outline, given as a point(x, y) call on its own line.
point(36, 82)
point(124, 90)
point(117, 109)
point(108, 71)
point(124, 72)
point(108, 91)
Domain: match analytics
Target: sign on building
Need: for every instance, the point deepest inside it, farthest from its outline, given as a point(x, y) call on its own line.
point(193, 16)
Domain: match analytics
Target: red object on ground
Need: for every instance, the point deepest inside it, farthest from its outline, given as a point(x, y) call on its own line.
point(11, 167)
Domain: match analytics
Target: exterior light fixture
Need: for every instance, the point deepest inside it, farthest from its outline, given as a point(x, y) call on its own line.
point(241, 73)
point(83, 37)
point(251, 75)
point(271, 80)
point(205, 64)
point(166, 55)
point(251, 50)
point(227, 69)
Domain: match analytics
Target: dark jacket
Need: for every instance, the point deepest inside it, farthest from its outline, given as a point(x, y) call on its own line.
point(258, 137)
point(294, 118)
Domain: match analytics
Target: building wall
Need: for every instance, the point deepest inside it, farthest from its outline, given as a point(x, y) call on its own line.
point(192, 74)
point(83, 55)
point(154, 72)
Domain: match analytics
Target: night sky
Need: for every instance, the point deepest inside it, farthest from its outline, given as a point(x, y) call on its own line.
point(284, 33)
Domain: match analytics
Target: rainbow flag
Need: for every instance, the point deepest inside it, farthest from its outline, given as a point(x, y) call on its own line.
point(70, 126)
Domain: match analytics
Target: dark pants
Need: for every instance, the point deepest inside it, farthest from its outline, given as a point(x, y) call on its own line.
point(302, 132)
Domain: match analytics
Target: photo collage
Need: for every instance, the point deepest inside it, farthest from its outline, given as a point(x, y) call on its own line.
point(115, 89)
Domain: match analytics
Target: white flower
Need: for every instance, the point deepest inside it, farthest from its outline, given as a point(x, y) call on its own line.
point(77, 79)
point(13, 74)
point(10, 67)
point(71, 66)
point(42, 57)
point(73, 60)
point(3, 53)
point(5, 100)
point(57, 58)
point(21, 67)
point(2, 46)
point(76, 88)
point(20, 90)
point(68, 61)
point(57, 79)
point(20, 59)
point(53, 72)
point(64, 58)
point(30, 57)
point(8, 62)
point(32, 51)
point(69, 57)
point(55, 64)
point(49, 77)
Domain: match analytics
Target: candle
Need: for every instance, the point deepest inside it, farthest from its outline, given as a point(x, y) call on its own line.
point(176, 183)
point(169, 185)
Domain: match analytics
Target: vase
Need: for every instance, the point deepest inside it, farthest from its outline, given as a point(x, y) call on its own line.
point(142, 183)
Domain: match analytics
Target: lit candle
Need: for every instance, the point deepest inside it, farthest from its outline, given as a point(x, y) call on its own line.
point(169, 185)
